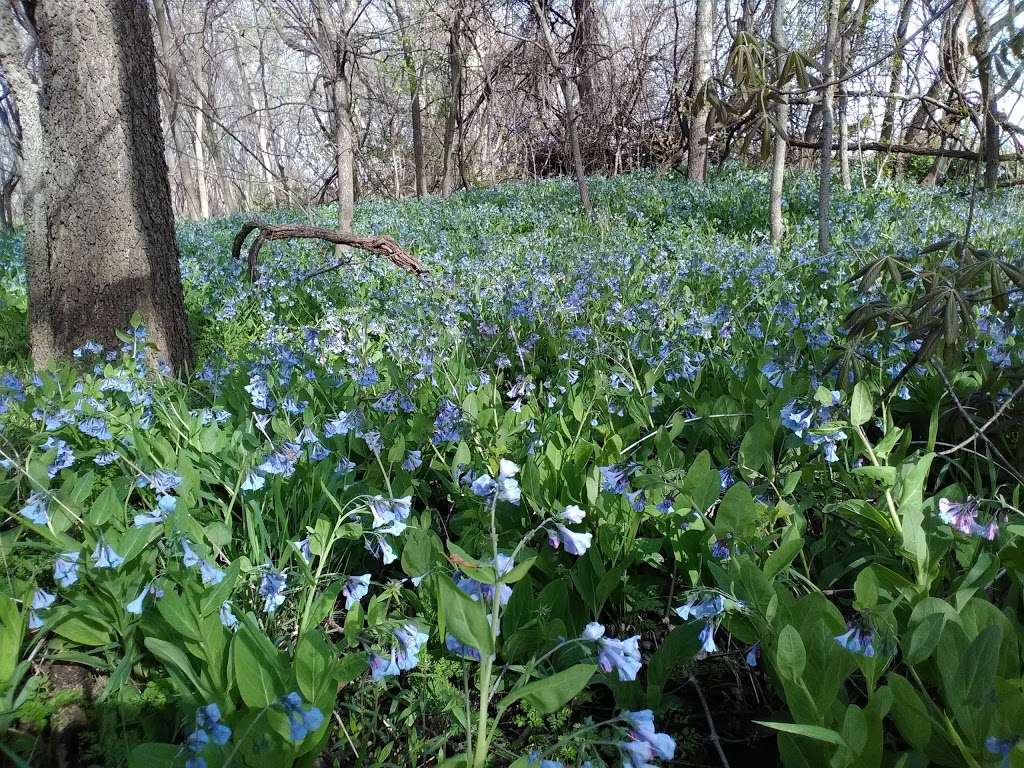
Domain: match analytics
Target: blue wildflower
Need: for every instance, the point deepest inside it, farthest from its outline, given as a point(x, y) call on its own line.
point(35, 509)
point(355, 589)
point(227, 617)
point(104, 556)
point(272, 587)
point(65, 568)
point(95, 427)
point(621, 655)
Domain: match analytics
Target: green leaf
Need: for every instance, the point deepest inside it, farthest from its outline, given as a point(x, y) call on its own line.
point(259, 669)
point(464, 617)
point(865, 589)
point(815, 732)
point(861, 407)
point(702, 483)
point(314, 659)
point(153, 755)
point(790, 656)
point(177, 661)
point(552, 693)
point(886, 476)
point(737, 512)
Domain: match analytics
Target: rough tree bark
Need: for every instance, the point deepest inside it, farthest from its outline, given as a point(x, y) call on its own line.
point(853, 28)
point(700, 108)
point(781, 120)
point(109, 236)
point(825, 164)
point(25, 91)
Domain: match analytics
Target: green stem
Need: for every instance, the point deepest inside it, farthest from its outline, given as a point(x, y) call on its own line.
point(487, 660)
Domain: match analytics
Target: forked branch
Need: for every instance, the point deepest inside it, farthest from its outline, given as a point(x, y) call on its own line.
point(382, 245)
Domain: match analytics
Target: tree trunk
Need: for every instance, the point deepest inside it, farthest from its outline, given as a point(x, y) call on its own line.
point(454, 99)
point(199, 145)
point(846, 48)
point(700, 108)
point(896, 71)
point(109, 240)
point(343, 148)
point(781, 119)
point(32, 158)
point(825, 166)
point(570, 107)
point(412, 73)
point(983, 55)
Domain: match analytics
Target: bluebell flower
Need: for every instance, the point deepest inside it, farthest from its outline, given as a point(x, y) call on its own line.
point(413, 461)
point(272, 587)
point(95, 427)
point(104, 556)
point(382, 666)
point(161, 481)
point(726, 478)
point(35, 509)
point(302, 721)
point(41, 600)
point(373, 441)
point(227, 617)
point(344, 466)
point(775, 373)
point(575, 542)
point(355, 589)
point(188, 555)
point(106, 459)
point(962, 517)
point(459, 648)
point(701, 609)
point(572, 514)
point(64, 457)
point(534, 761)
point(410, 640)
point(165, 505)
point(135, 606)
point(857, 640)
point(305, 551)
point(253, 482)
point(614, 478)
point(752, 653)
point(707, 638)
point(208, 717)
point(209, 573)
point(643, 731)
point(621, 655)
point(65, 568)
point(795, 419)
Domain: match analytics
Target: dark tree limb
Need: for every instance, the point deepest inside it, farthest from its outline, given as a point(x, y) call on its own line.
point(381, 245)
point(904, 149)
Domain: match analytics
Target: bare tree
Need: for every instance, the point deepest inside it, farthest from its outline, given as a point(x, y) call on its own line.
point(700, 107)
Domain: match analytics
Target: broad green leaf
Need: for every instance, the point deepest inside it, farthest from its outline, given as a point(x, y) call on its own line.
point(815, 732)
point(551, 693)
point(861, 407)
point(463, 617)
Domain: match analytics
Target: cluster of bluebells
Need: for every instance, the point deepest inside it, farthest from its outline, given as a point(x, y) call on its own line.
point(574, 542)
point(615, 479)
point(622, 656)
point(301, 720)
point(408, 641)
point(706, 609)
point(802, 419)
point(962, 516)
point(504, 487)
point(209, 730)
point(857, 640)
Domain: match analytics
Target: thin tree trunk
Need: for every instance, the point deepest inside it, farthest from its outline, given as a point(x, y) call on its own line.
point(825, 166)
point(896, 72)
point(343, 148)
point(201, 171)
point(782, 120)
point(454, 99)
point(570, 108)
point(416, 106)
point(700, 107)
point(983, 55)
point(110, 231)
point(846, 45)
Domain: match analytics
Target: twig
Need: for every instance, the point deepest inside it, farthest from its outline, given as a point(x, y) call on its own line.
point(382, 245)
point(963, 412)
point(711, 723)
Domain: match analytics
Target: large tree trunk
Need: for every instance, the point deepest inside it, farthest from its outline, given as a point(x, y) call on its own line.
point(37, 274)
point(846, 49)
point(109, 240)
point(825, 165)
point(700, 108)
point(781, 119)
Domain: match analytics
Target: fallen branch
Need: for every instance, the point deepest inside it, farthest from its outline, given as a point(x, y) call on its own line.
point(901, 149)
point(382, 245)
